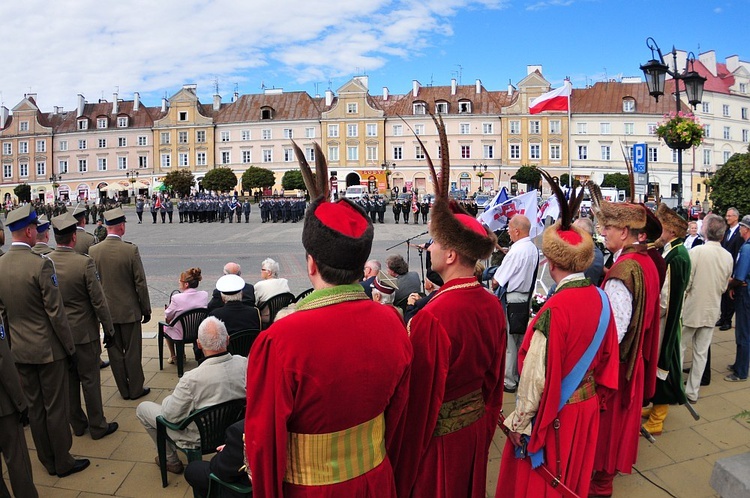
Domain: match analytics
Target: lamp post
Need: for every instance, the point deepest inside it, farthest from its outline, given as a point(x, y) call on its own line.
point(132, 177)
point(387, 168)
point(55, 180)
point(482, 170)
point(656, 71)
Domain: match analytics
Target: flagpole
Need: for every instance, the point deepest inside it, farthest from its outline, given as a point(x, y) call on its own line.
point(570, 152)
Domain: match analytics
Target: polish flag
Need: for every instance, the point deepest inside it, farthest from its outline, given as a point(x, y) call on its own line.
point(556, 100)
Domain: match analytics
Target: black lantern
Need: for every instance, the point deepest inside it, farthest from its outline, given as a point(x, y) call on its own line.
point(694, 83)
point(655, 73)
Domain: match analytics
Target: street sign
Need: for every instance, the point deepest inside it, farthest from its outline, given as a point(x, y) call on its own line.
point(640, 189)
point(641, 178)
point(639, 159)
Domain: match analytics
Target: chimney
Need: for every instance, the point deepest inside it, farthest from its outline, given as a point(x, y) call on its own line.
point(57, 110)
point(81, 104)
point(3, 116)
point(709, 60)
point(136, 101)
point(164, 104)
point(510, 89)
point(453, 86)
point(414, 88)
point(217, 102)
point(733, 62)
point(329, 98)
point(364, 81)
point(533, 67)
point(31, 96)
point(385, 93)
point(236, 96)
point(115, 104)
point(478, 87)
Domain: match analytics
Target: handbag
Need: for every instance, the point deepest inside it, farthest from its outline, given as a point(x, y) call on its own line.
point(518, 317)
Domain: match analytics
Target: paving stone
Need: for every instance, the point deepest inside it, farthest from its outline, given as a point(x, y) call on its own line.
point(688, 478)
point(102, 476)
point(731, 476)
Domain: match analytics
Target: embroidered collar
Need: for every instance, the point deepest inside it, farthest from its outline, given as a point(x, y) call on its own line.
point(332, 295)
point(458, 284)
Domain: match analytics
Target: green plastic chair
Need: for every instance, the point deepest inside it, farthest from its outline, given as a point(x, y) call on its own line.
point(212, 423)
point(190, 321)
point(216, 487)
point(240, 342)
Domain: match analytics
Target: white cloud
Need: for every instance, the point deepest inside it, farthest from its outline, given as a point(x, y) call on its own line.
point(60, 49)
point(549, 3)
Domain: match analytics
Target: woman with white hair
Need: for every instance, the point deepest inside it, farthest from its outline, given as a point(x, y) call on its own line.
point(270, 284)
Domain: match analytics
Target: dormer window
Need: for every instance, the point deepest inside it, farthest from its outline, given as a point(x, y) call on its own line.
point(182, 116)
point(83, 124)
point(266, 113)
point(420, 108)
point(101, 123)
point(464, 107)
point(122, 122)
point(628, 105)
point(351, 108)
point(441, 107)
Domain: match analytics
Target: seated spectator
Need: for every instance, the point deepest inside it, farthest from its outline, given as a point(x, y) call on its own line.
point(228, 464)
point(416, 302)
point(372, 268)
point(220, 378)
point(248, 293)
point(235, 314)
point(384, 289)
point(408, 281)
point(188, 299)
point(270, 284)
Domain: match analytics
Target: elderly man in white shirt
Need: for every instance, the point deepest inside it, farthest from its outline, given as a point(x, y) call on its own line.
point(516, 278)
point(270, 284)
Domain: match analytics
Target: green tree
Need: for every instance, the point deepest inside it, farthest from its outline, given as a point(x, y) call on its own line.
point(255, 177)
point(528, 174)
point(179, 181)
point(565, 183)
point(620, 181)
point(730, 186)
point(292, 180)
point(23, 192)
point(220, 180)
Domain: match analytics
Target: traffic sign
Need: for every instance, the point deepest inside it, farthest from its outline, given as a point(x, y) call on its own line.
point(639, 159)
point(640, 190)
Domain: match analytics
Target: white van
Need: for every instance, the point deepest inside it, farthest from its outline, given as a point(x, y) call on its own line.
point(355, 192)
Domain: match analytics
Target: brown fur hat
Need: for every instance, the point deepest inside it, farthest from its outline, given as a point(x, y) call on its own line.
point(672, 221)
point(571, 250)
point(621, 214)
point(459, 231)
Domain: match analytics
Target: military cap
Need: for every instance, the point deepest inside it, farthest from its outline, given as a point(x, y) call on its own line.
point(114, 217)
point(64, 224)
point(385, 283)
point(20, 218)
point(79, 211)
point(43, 224)
point(230, 284)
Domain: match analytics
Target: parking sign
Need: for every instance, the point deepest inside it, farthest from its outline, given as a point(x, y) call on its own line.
point(639, 158)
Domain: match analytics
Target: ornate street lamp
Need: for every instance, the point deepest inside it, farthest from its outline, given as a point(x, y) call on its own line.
point(132, 177)
point(656, 71)
point(387, 168)
point(55, 180)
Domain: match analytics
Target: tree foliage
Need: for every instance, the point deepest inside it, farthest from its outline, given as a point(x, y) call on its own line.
point(620, 181)
point(564, 181)
point(292, 180)
point(220, 180)
point(730, 186)
point(23, 192)
point(529, 175)
point(255, 177)
point(179, 181)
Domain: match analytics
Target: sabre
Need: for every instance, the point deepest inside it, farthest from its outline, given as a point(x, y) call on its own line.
point(647, 435)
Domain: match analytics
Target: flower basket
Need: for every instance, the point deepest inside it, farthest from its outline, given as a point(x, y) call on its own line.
point(537, 301)
point(680, 131)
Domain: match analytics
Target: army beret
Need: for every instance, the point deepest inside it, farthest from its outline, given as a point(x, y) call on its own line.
point(43, 224)
point(230, 284)
point(114, 216)
point(20, 218)
point(64, 224)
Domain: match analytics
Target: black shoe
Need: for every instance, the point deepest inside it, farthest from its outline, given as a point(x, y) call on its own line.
point(705, 383)
point(79, 433)
point(719, 323)
point(145, 392)
point(104, 364)
point(510, 390)
point(77, 467)
point(686, 370)
point(725, 326)
point(112, 427)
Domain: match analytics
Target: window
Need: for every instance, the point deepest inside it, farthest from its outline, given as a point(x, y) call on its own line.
point(310, 132)
point(727, 133)
point(727, 155)
point(62, 166)
point(554, 152)
point(745, 136)
point(7, 148)
point(583, 152)
point(418, 152)
point(535, 127)
point(41, 146)
point(582, 128)
point(674, 156)
point(398, 152)
point(555, 126)
point(419, 129)
point(464, 128)
point(310, 154)
point(725, 110)
point(488, 128)
point(101, 123)
point(606, 152)
point(515, 151)
point(466, 152)
point(81, 144)
point(200, 158)
point(165, 137)
point(101, 164)
point(706, 107)
point(352, 153)
point(651, 128)
point(743, 87)
point(122, 142)
point(351, 130)
point(63, 145)
point(41, 168)
point(707, 130)
point(182, 160)
point(200, 136)
point(333, 130)
point(225, 157)
point(604, 128)
point(23, 126)
point(83, 124)
point(535, 151)
point(464, 107)
point(143, 161)
point(743, 113)
point(23, 147)
point(267, 155)
point(224, 136)
point(122, 122)
point(265, 134)
point(419, 108)
point(439, 152)
point(83, 165)
point(182, 116)
point(398, 130)
point(372, 153)
point(441, 107)
point(653, 154)
point(23, 170)
point(122, 162)
point(488, 151)
point(266, 113)
point(142, 140)
point(247, 157)
point(333, 153)
point(351, 108)
point(372, 130)
point(515, 127)
point(288, 134)
point(628, 105)
point(166, 160)
point(707, 153)
point(629, 128)
point(102, 143)
point(245, 135)
point(7, 171)
point(288, 155)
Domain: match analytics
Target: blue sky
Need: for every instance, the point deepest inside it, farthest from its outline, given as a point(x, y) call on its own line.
point(61, 49)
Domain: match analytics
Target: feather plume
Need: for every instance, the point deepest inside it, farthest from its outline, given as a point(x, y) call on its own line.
point(596, 196)
point(321, 172)
point(574, 203)
point(307, 174)
point(445, 163)
point(566, 217)
point(430, 164)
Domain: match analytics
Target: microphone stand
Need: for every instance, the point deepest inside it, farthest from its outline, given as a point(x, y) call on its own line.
point(408, 245)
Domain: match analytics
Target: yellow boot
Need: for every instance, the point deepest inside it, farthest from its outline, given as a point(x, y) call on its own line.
point(655, 422)
point(646, 412)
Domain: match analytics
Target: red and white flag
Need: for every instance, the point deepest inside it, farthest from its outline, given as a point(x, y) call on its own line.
point(556, 100)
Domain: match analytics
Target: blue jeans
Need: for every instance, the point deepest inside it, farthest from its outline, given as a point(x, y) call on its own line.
point(742, 331)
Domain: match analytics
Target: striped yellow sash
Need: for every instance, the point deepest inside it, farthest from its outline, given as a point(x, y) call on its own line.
point(320, 459)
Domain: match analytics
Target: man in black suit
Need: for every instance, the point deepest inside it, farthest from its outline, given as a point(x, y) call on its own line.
point(248, 293)
point(228, 464)
point(732, 243)
point(372, 268)
point(235, 313)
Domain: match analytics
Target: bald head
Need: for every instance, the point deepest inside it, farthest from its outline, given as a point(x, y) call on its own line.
point(232, 269)
point(519, 227)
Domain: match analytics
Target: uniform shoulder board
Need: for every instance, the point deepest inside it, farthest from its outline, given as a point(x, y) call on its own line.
point(54, 279)
point(128, 242)
point(2, 332)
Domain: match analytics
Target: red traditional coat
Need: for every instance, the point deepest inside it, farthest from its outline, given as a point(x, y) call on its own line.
point(459, 348)
point(569, 329)
point(619, 427)
point(326, 369)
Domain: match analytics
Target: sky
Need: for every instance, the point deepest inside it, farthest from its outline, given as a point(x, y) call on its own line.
point(68, 47)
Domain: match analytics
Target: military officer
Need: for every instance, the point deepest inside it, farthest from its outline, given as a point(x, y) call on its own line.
point(124, 281)
point(170, 208)
point(246, 210)
point(41, 342)
point(84, 240)
point(42, 237)
point(405, 210)
point(85, 307)
point(396, 209)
